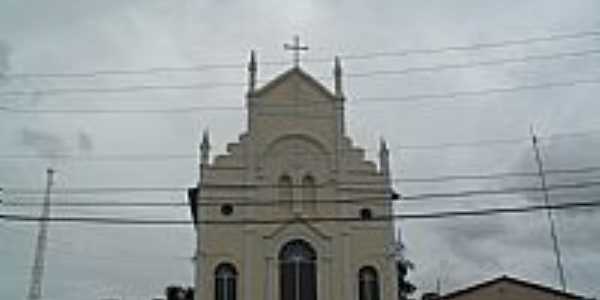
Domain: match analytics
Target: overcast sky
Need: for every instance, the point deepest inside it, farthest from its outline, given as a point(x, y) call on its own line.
point(94, 262)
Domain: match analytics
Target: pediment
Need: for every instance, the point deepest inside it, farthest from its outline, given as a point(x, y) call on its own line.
point(293, 227)
point(287, 78)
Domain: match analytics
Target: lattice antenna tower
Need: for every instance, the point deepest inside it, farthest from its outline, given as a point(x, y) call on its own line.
point(37, 272)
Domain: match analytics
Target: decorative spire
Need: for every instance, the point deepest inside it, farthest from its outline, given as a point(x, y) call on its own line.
point(398, 244)
point(384, 159)
point(204, 148)
point(252, 73)
point(337, 74)
point(399, 249)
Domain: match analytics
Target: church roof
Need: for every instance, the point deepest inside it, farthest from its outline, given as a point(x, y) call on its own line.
point(288, 74)
point(513, 281)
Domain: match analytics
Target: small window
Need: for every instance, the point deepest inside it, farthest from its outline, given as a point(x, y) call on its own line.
point(368, 284)
point(309, 192)
point(225, 282)
point(227, 209)
point(285, 191)
point(366, 214)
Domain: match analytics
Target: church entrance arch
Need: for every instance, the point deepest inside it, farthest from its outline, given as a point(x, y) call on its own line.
point(298, 271)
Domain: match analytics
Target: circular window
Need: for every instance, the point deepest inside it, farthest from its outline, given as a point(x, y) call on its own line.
point(366, 214)
point(227, 209)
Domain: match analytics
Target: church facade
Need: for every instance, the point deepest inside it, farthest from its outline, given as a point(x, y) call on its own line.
point(293, 210)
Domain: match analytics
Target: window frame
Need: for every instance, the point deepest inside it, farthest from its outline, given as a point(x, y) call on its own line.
point(368, 289)
point(225, 278)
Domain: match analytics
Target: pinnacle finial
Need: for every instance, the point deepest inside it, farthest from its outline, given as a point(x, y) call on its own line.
point(384, 160)
point(252, 72)
point(205, 147)
point(382, 145)
point(337, 74)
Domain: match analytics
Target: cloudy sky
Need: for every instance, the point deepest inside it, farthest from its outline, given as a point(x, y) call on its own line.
point(560, 49)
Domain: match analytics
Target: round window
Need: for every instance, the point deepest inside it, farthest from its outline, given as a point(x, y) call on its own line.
point(227, 209)
point(366, 214)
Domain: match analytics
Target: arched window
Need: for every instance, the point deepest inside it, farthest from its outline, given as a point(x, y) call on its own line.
point(285, 191)
point(368, 284)
point(225, 282)
point(298, 271)
point(309, 192)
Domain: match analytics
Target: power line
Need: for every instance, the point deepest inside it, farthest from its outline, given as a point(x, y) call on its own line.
point(355, 56)
point(441, 178)
point(57, 246)
point(176, 156)
point(487, 63)
point(476, 46)
point(101, 157)
point(446, 178)
point(123, 89)
point(357, 100)
point(383, 218)
point(482, 92)
point(266, 202)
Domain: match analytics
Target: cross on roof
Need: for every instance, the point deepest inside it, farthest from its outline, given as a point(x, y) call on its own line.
point(296, 48)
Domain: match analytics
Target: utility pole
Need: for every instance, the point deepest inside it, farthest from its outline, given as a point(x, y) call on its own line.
point(553, 234)
point(37, 272)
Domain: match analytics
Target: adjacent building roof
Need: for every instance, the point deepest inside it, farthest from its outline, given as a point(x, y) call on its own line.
point(514, 282)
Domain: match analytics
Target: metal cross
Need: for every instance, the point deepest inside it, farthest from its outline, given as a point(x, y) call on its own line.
point(296, 48)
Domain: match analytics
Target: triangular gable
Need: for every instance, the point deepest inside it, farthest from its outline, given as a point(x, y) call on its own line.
point(305, 224)
point(513, 281)
point(286, 75)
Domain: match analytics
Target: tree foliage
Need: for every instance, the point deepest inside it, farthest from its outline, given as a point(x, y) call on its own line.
point(175, 292)
point(405, 288)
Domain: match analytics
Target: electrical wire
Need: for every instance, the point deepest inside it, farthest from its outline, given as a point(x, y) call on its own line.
point(358, 100)
point(354, 56)
point(135, 157)
point(274, 202)
point(471, 47)
point(57, 246)
point(441, 178)
point(382, 218)
point(486, 63)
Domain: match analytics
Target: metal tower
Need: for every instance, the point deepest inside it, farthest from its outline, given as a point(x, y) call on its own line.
point(37, 272)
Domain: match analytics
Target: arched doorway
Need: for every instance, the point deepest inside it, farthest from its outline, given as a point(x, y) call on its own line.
point(298, 271)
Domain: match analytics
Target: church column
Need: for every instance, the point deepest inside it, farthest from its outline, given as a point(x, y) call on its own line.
point(201, 280)
point(249, 259)
point(326, 277)
point(270, 283)
point(347, 271)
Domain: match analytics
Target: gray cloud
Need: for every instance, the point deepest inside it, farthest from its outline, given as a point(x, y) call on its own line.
point(80, 36)
point(4, 59)
point(85, 142)
point(468, 238)
point(42, 141)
